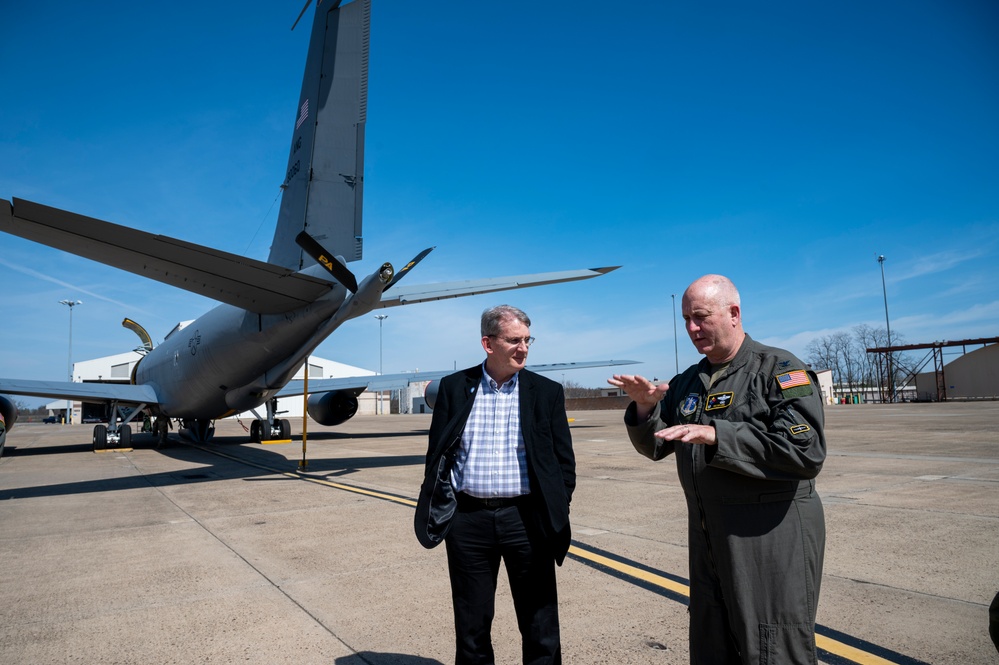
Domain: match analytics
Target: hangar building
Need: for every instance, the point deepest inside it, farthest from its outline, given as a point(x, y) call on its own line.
point(973, 375)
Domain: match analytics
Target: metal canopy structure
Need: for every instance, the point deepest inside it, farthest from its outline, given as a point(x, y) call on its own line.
point(935, 353)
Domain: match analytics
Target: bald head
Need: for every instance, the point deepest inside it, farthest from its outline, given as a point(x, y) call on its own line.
point(713, 317)
point(715, 288)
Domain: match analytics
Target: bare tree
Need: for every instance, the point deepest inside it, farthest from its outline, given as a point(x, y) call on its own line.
point(574, 389)
point(868, 338)
point(854, 369)
point(822, 355)
point(849, 362)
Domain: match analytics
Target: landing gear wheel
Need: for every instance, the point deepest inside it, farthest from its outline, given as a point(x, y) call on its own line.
point(125, 436)
point(100, 437)
point(285, 429)
point(255, 431)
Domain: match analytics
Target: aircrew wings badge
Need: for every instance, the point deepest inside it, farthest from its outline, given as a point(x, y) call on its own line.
point(795, 383)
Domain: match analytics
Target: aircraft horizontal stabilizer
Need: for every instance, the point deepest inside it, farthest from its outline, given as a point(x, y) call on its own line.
point(361, 383)
point(561, 367)
point(236, 280)
point(408, 295)
point(84, 392)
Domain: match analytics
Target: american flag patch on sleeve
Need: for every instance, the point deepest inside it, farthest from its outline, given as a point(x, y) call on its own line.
point(798, 377)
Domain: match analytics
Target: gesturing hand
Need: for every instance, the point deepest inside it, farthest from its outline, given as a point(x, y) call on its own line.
point(643, 392)
point(703, 434)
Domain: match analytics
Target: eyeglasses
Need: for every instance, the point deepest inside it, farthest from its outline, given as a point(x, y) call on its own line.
point(516, 341)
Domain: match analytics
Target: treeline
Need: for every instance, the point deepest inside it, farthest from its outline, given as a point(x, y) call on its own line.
point(24, 410)
point(575, 390)
point(852, 367)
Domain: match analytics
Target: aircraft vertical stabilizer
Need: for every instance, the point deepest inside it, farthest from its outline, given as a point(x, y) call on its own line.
point(324, 183)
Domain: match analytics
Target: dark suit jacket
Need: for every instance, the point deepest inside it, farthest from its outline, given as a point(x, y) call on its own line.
point(551, 465)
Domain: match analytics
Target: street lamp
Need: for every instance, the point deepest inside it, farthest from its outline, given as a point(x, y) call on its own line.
point(69, 362)
point(381, 319)
point(676, 350)
point(884, 290)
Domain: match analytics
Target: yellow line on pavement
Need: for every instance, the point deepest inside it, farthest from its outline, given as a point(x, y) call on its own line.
point(357, 490)
point(631, 571)
point(852, 654)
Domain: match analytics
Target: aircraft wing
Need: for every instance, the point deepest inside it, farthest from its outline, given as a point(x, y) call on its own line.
point(358, 384)
point(236, 280)
point(375, 382)
point(408, 295)
point(84, 392)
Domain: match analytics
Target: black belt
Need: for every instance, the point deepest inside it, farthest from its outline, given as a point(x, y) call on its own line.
point(469, 502)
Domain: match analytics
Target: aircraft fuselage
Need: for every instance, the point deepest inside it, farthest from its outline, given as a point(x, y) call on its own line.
point(230, 360)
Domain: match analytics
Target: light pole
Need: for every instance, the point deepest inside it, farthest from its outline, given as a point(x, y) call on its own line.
point(69, 362)
point(676, 350)
point(381, 319)
point(884, 290)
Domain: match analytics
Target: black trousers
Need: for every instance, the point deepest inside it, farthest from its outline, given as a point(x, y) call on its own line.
point(479, 537)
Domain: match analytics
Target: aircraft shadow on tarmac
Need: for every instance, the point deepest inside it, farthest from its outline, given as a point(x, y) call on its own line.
point(238, 462)
point(14, 451)
point(374, 658)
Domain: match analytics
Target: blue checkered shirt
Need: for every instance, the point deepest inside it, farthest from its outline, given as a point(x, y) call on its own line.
point(491, 461)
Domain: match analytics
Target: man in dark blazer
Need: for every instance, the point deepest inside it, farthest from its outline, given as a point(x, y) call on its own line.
point(500, 473)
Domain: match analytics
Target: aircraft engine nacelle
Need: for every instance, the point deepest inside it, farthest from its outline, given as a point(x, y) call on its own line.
point(332, 408)
point(430, 393)
point(9, 411)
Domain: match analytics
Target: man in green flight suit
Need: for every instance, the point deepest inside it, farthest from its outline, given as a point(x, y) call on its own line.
point(745, 426)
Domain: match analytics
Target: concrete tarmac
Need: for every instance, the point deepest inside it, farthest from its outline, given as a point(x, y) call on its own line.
point(228, 553)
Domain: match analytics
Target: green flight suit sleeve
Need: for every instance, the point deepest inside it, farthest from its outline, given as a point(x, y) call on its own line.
point(779, 432)
point(641, 433)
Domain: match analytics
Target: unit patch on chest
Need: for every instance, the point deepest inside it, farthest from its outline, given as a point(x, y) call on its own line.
point(689, 405)
point(718, 401)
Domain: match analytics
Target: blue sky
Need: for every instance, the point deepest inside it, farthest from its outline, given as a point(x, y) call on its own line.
point(784, 144)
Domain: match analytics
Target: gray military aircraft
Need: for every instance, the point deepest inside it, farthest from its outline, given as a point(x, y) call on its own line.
point(244, 353)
